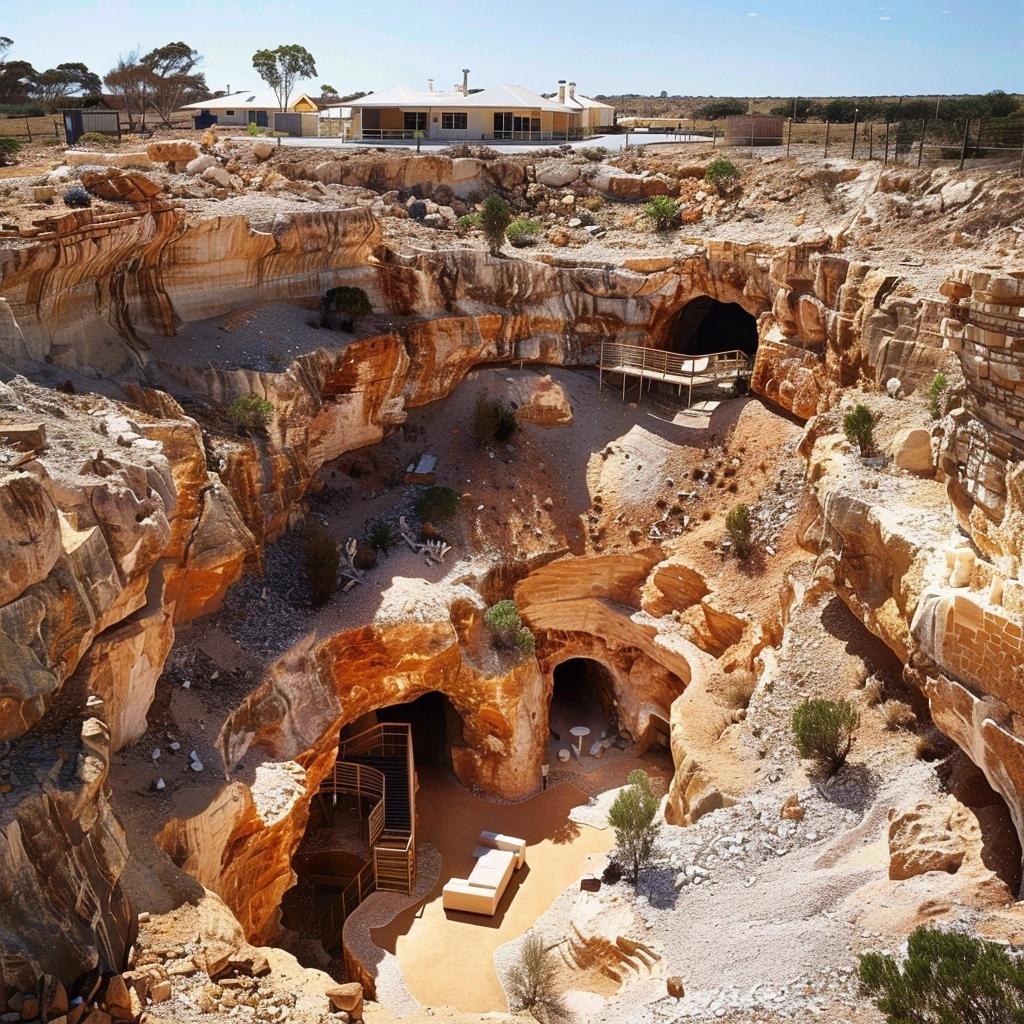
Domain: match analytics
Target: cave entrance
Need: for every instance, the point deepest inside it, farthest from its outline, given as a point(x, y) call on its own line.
point(582, 695)
point(705, 325)
point(436, 727)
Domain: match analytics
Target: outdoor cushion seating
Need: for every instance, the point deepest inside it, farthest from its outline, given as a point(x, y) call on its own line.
point(497, 857)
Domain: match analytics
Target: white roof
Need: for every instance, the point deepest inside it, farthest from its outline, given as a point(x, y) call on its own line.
point(246, 99)
point(503, 97)
point(585, 102)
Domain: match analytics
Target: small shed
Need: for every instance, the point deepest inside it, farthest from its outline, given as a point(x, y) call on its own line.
point(754, 130)
point(79, 122)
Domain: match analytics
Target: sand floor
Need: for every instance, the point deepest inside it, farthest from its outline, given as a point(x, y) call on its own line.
point(448, 958)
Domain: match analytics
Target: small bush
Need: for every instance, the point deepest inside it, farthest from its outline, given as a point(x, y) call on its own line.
point(859, 428)
point(437, 504)
point(8, 147)
point(459, 150)
point(873, 690)
point(97, 137)
point(522, 231)
point(936, 390)
point(898, 716)
point(494, 219)
point(533, 981)
point(77, 197)
point(507, 629)
point(740, 528)
point(662, 212)
point(632, 815)
point(382, 536)
point(250, 412)
point(467, 222)
point(612, 873)
point(824, 730)
point(493, 420)
point(342, 306)
point(254, 129)
point(593, 153)
point(721, 174)
point(946, 978)
point(322, 561)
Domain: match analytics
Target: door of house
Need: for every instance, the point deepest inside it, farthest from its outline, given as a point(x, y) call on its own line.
point(503, 124)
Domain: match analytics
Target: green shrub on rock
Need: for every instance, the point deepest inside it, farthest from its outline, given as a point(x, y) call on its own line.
point(824, 730)
point(250, 412)
point(507, 629)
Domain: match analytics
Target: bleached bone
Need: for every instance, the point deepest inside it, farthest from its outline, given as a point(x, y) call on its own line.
point(435, 550)
point(408, 536)
point(349, 571)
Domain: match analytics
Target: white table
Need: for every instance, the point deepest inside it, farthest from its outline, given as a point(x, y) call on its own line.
point(579, 731)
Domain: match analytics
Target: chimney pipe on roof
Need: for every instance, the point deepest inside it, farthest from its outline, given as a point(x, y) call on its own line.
point(430, 85)
point(572, 90)
point(561, 90)
point(465, 81)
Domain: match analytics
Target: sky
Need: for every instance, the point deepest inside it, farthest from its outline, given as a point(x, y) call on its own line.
point(686, 47)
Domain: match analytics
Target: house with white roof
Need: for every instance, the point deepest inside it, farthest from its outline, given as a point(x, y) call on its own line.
point(501, 112)
point(594, 115)
point(246, 107)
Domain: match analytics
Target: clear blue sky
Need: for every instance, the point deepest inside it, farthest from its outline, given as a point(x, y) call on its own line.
point(716, 47)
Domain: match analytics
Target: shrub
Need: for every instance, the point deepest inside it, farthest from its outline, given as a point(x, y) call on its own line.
point(507, 629)
point(593, 153)
point(661, 211)
point(382, 536)
point(437, 504)
point(467, 222)
point(859, 428)
point(898, 715)
point(873, 689)
point(494, 219)
point(8, 148)
point(322, 561)
point(76, 196)
point(632, 816)
point(824, 730)
point(97, 137)
point(341, 307)
point(737, 522)
point(532, 981)
point(493, 420)
point(250, 412)
point(612, 873)
point(521, 231)
point(936, 390)
point(946, 978)
point(721, 174)
point(254, 129)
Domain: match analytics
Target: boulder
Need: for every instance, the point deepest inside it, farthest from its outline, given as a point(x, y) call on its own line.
point(541, 400)
point(200, 164)
point(921, 839)
point(216, 176)
point(117, 185)
point(262, 149)
point(556, 173)
point(674, 986)
point(911, 449)
point(347, 997)
point(172, 151)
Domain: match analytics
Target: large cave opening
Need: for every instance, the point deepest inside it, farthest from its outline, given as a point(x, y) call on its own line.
point(705, 325)
point(582, 697)
point(436, 727)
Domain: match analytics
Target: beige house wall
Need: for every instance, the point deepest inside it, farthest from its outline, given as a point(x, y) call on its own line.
point(479, 121)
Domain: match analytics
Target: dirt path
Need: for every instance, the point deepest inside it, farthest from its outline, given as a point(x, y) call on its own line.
point(448, 958)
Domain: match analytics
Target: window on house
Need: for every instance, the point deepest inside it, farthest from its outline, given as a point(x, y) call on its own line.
point(416, 121)
point(455, 120)
point(229, 113)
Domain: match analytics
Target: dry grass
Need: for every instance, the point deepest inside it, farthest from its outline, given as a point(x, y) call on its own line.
point(898, 715)
point(873, 690)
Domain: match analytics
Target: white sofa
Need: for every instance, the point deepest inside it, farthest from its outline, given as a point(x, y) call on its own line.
point(497, 856)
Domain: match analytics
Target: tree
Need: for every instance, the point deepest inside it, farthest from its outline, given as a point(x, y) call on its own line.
point(859, 428)
point(52, 85)
point(532, 981)
point(328, 90)
point(824, 730)
point(494, 218)
point(130, 80)
point(16, 80)
point(947, 978)
point(937, 388)
point(632, 816)
point(172, 77)
point(282, 68)
point(715, 109)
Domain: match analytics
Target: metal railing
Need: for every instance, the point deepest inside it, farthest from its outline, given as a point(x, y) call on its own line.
point(463, 135)
point(655, 364)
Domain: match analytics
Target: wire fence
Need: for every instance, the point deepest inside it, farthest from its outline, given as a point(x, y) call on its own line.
point(964, 142)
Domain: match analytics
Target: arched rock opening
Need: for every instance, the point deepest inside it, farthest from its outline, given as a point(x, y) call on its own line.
point(705, 325)
point(436, 726)
point(582, 694)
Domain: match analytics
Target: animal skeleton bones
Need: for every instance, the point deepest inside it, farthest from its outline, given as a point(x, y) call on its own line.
point(349, 571)
point(433, 550)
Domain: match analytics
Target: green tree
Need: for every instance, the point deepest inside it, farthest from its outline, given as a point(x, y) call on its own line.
point(51, 86)
point(859, 428)
point(494, 218)
point(946, 978)
point(717, 108)
point(937, 388)
point(740, 528)
point(328, 90)
point(632, 815)
point(173, 78)
point(130, 80)
point(282, 67)
point(824, 730)
point(533, 981)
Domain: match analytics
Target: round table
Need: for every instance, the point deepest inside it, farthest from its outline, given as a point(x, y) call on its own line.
point(579, 731)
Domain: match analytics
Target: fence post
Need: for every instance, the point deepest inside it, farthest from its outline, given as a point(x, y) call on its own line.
point(28, 129)
point(871, 140)
point(920, 147)
point(885, 159)
point(56, 133)
point(789, 137)
point(963, 147)
point(826, 139)
point(853, 147)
